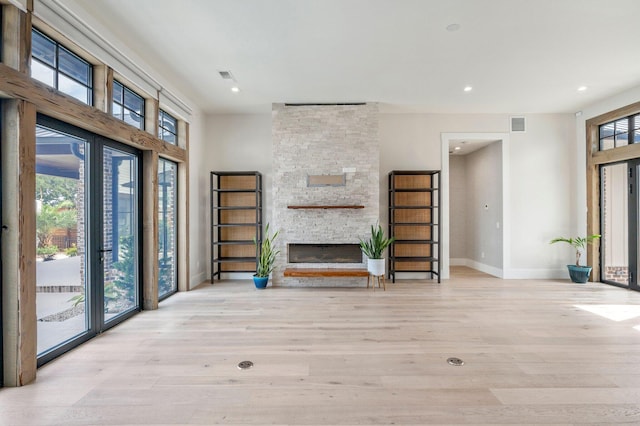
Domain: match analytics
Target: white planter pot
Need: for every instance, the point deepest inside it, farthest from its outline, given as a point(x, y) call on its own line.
point(376, 267)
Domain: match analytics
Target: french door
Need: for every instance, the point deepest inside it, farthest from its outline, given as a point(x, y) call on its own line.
point(88, 230)
point(620, 209)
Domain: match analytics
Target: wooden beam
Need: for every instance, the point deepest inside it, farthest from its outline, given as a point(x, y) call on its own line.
point(103, 88)
point(183, 211)
point(51, 102)
point(623, 153)
point(614, 115)
point(151, 111)
point(16, 39)
point(150, 230)
point(593, 200)
point(19, 242)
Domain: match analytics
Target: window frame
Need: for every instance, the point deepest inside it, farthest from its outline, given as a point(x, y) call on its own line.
point(123, 107)
point(174, 199)
point(162, 114)
point(56, 67)
point(632, 131)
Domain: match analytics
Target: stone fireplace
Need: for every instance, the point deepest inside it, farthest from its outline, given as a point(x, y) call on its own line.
point(337, 145)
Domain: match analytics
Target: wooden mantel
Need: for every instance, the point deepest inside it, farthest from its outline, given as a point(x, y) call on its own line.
point(349, 206)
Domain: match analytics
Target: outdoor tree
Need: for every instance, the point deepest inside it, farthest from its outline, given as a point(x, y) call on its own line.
point(55, 190)
point(62, 216)
point(125, 281)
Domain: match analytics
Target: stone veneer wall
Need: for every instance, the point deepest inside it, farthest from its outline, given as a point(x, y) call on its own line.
point(322, 140)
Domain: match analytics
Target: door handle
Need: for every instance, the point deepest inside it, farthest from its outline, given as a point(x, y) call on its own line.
point(103, 251)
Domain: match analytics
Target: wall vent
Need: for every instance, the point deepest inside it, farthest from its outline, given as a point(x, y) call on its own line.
point(518, 125)
point(226, 75)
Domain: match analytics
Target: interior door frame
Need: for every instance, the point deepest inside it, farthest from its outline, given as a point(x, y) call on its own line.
point(506, 272)
point(94, 228)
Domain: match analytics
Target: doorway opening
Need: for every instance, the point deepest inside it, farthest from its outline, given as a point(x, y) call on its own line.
point(475, 203)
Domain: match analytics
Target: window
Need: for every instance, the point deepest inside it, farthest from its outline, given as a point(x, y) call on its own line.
point(167, 227)
point(620, 132)
point(128, 106)
point(167, 127)
point(58, 67)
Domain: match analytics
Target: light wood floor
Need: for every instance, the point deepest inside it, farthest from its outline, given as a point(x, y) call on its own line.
point(354, 356)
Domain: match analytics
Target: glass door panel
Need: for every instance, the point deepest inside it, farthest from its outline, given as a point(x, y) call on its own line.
point(119, 253)
point(61, 265)
point(167, 226)
point(615, 225)
point(634, 223)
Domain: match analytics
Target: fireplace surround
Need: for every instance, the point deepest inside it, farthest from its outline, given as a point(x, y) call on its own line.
point(324, 140)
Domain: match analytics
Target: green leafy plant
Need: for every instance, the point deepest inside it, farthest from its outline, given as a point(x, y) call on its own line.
point(71, 251)
point(110, 295)
point(578, 243)
point(125, 278)
point(50, 218)
point(267, 253)
point(47, 252)
point(374, 246)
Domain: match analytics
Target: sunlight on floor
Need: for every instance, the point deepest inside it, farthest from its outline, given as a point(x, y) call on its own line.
point(613, 312)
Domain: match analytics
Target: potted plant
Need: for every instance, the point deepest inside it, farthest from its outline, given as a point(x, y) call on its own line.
point(267, 258)
point(373, 248)
point(577, 272)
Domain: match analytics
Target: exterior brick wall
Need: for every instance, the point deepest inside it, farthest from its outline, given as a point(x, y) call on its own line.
point(324, 140)
point(619, 274)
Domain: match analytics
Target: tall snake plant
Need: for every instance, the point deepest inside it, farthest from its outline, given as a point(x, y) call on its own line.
point(267, 253)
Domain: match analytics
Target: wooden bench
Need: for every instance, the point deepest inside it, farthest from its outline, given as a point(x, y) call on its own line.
point(324, 272)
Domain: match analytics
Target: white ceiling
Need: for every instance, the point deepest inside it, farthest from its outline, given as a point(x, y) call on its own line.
point(461, 147)
point(520, 56)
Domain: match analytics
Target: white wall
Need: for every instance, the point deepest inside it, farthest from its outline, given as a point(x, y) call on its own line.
point(484, 207)
point(540, 176)
point(541, 171)
point(197, 193)
point(231, 143)
point(458, 216)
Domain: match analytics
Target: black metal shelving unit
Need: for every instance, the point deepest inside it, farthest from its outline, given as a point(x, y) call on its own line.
point(414, 222)
point(236, 219)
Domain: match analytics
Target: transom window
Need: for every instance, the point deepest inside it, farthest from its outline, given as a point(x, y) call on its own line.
point(620, 132)
point(128, 106)
point(58, 67)
point(167, 127)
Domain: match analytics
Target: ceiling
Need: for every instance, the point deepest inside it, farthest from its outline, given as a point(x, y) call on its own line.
point(462, 147)
point(520, 56)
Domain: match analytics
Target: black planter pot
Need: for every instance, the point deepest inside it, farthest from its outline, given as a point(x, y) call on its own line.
point(579, 274)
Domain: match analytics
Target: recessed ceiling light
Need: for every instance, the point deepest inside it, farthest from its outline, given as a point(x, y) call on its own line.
point(453, 27)
point(235, 89)
point(468, 88)
point(457, 148)
point(582, 88)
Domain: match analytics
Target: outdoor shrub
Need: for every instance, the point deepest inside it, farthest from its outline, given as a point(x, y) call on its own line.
point(47, 252)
